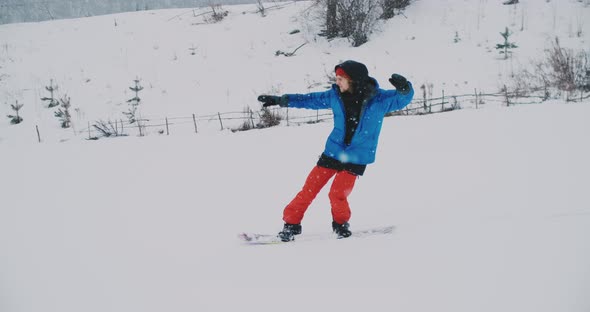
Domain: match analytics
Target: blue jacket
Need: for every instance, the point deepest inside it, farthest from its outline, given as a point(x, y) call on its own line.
point(363, 146)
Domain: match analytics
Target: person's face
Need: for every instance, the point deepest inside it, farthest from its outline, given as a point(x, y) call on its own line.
point(343, 84)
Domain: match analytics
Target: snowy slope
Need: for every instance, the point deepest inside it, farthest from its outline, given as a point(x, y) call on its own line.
point(95, 60)
point(490, 205)
point(490, 208)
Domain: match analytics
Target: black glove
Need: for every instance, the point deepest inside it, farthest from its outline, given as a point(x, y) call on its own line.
point(400, 83)
point(270, 100)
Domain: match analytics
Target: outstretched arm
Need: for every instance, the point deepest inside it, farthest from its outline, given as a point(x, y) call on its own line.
point(314, 100)
point(403, 93)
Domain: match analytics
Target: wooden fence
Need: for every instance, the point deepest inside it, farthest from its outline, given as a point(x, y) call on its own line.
point(245, 120)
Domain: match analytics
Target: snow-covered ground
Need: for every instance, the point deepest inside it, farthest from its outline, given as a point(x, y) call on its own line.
point(490, 205)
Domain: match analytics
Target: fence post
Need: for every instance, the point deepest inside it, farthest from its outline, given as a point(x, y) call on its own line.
point(167, 130)
point(476, 99)
point(38, 135)
point(139, 127)
point(220, 121)
point(443, 101)
point(287, 116)
point(195, 122)
point(506, 94)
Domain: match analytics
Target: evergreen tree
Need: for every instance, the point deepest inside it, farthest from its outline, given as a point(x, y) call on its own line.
point(506, 46)
point(134, 102)
point(64, 115)
point(52, 102)
point(15, 119)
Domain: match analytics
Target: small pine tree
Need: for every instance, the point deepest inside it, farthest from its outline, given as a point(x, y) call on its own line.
point(15, 119)
point(64, 115)
point(134, 102)
point(52, 102)
point(506, 46)
point(457, 39)
point(193, 50)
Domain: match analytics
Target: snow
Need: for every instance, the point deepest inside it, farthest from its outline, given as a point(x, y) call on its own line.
point(489, 204)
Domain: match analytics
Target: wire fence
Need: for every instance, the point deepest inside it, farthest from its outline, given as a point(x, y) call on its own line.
point(249, 119)
point(226, 121)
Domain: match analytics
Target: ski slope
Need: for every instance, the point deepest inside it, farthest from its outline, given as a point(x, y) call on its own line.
point(489, 205)
point(490, 208)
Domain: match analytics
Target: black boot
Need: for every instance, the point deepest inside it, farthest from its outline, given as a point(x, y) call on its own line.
point(341, 229)
point(289, 231)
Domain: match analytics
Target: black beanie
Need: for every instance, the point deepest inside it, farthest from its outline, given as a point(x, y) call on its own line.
point(356, 71)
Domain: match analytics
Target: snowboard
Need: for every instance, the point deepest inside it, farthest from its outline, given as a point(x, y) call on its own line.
point(272, 239)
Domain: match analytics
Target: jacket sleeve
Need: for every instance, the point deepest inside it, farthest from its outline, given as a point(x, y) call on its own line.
point(398, 100)
point(314, 100)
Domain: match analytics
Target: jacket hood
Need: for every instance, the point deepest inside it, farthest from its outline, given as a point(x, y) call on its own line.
point(356, 71)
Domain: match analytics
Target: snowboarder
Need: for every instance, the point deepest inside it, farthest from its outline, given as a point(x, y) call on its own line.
point(358, 106)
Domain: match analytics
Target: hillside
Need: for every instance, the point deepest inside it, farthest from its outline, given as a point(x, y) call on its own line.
point(95, 60)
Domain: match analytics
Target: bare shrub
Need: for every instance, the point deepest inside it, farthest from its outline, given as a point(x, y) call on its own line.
point(392, 7)
point(108, 128)
point(561, 69)
point(351, 19)
point(269, 118)
point(568, 70)
point(357, 19)
point(248, 123)
point(217, 14)
point(561, 63)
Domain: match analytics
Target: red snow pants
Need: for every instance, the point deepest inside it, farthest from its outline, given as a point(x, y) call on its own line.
point(318, 177)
